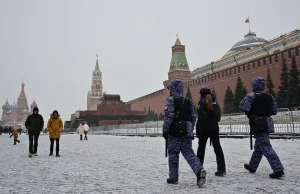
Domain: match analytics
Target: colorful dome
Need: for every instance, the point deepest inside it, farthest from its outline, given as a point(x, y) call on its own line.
point(6, 106)
point(13, 106)
point(33, 105)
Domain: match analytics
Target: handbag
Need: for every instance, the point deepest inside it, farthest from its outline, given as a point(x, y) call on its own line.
point(259, 124)
point(179, 128)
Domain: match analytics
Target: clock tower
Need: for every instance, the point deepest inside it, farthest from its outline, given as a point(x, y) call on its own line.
point(95, 96)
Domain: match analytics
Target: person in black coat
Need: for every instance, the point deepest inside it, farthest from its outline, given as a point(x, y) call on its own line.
point(34, 125)
point(209, 114)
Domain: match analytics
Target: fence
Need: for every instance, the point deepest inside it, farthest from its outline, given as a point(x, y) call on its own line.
point(286, 122)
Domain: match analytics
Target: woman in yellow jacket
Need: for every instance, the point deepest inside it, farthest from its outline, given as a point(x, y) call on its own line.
point(55, 126)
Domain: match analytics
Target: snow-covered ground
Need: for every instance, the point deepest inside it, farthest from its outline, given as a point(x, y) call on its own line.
point(110, 164)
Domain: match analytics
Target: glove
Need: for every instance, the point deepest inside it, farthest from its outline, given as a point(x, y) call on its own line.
point(165, 135)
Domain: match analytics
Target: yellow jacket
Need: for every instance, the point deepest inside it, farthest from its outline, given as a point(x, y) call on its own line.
point(55, 126)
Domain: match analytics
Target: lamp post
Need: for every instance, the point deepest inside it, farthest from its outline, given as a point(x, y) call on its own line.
point(212, 67)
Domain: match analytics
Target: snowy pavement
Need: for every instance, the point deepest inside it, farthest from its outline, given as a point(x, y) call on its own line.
point(108, 164)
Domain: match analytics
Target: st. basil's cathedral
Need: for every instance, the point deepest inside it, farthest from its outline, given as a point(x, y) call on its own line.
point(15, 114)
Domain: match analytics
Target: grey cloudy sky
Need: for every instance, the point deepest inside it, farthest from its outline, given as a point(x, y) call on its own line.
point(52, 44)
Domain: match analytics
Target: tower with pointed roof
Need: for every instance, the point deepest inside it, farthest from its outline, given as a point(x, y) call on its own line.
point(15, 114)
point(95, 95)
point(179, 67)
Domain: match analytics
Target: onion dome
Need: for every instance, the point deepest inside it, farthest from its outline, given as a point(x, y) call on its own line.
point(250, 41)
point(33, 105)
point(6, 106)
point(13, 106)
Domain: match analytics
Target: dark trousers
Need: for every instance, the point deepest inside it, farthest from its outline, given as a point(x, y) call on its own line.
point(80, 137)
point(33, 145)
point(52, 143)
point(85, 135)
point(15, 141)
point(215, 140)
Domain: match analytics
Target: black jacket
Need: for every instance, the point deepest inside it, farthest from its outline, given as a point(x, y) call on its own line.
point(34, 123)
point(209, 122)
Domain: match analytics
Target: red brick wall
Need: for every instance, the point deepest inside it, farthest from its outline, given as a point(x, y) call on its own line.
point(220, 84)
point(116, 122)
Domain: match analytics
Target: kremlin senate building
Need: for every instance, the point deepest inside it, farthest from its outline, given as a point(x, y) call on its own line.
point(248, 58)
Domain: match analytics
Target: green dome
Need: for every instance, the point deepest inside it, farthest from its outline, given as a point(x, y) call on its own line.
point(6, 106)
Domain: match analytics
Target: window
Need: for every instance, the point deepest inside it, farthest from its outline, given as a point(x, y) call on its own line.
point(258, 62)
point(226, 72)
point(276, 58)
point(230, 72)
point(248, 66)
point(239, 69)
point(297, 51)
point(253, 65)
point(222, 73)
point(270, 59)
point(244, 68)
point(290, 53)
point(219, 75)
point(208, 78)
point(234, 70)
point(264, 61)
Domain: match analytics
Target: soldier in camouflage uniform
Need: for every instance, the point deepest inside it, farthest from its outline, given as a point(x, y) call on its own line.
point(187, 114)
point(259, 104)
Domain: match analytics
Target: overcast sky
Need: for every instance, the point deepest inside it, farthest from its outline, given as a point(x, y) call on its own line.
point(52, 44)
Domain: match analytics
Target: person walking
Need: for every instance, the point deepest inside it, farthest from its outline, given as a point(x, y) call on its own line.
point(80, 131)
point(55, 126)
point(179, 122)
point(86, 130)
point(259, 106)
point(34, 125)
point(207, 126)
point(16, 135)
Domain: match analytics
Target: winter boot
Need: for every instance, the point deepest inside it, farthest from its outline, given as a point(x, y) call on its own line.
point(201, 178)
point(51, 154)
point(276, 175)
point(30, 155)
point(247, 167)
point(35, 154)
point(172, 181)
point(57, 155)
point(220, 173)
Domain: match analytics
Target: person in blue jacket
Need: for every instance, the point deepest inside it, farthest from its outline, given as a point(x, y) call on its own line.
point(179, 122)
point(259, 106)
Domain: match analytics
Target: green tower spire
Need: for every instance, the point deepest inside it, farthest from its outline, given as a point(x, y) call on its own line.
point(178, 61)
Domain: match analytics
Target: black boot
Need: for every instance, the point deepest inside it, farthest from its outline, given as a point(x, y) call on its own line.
point(201, 177)
point(220, 173)
point(172, 181)
point(276, 175)
point(247, 167)
point(57, 155)
point(51, 154)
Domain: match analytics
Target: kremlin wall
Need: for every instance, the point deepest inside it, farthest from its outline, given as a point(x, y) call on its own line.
point(251, 57)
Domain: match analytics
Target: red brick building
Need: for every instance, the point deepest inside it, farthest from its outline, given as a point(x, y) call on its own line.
point(111, 111)
point(251, 57)
point(104, 109)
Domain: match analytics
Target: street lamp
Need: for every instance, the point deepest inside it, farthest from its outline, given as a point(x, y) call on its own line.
point(212, 67)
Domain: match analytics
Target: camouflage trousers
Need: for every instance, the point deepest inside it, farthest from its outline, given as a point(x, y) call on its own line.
point(262, 148)
point(183, 145)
